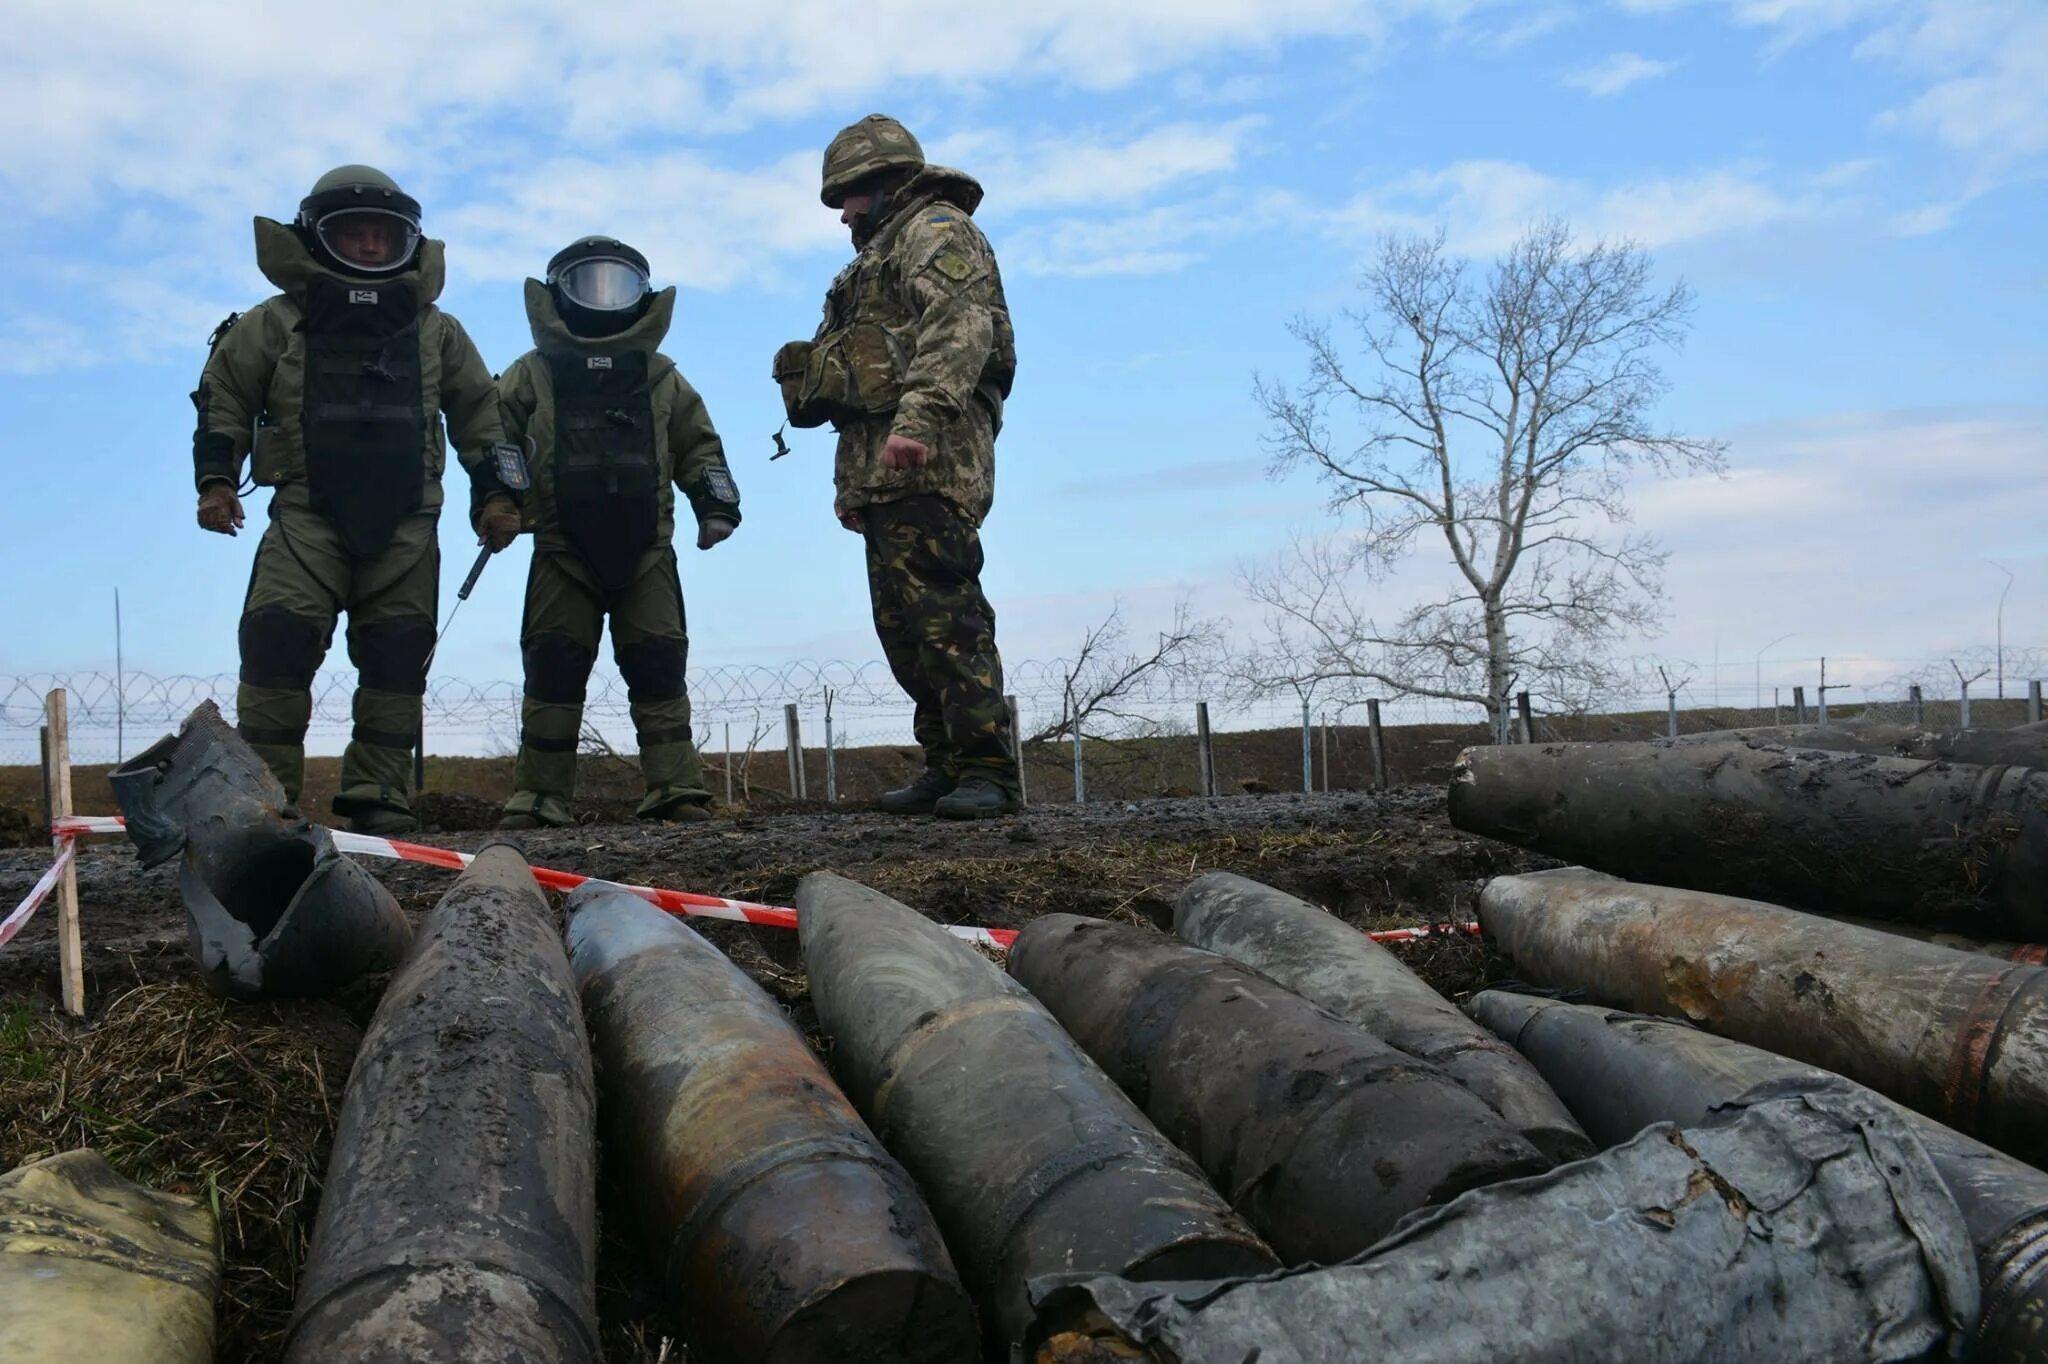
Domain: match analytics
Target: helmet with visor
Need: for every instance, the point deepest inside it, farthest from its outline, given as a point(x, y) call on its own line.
point(358, 219)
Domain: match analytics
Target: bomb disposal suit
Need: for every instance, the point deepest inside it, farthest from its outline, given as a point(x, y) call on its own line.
point(613, 430)
point(336, 389)
point(916, 347)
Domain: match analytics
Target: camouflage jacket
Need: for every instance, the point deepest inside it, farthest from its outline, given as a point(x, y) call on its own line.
point(250, 394)
point(929, 278)
point(688, 453)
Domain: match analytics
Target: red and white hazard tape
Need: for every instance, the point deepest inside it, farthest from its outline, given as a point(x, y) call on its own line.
point(40, 892)
point(674, 901)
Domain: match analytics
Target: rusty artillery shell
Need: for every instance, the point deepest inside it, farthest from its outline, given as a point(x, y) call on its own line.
point(1327, 962)
point(1957, 1036)
point(1623, 1071)
point(1033, 1161)
point(2026, 746)
point(779, 1227)
point(459, 1218)
point(1322, 1135)
point(1884, 837)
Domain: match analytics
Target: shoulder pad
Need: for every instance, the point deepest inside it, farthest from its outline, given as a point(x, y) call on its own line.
point(222, 330)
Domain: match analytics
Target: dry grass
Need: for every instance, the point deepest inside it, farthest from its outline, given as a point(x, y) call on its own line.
point(182, 1091)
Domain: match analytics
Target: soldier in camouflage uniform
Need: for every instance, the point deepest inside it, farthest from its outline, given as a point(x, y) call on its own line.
point(338, 387)
point(613, 429)
point(911, 365)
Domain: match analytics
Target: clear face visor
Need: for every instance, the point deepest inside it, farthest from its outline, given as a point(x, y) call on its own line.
point(604, 284)
point(372, 239)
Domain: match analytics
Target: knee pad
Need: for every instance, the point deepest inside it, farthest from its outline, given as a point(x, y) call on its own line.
point(391, 655)
point(557, 669)
point(280, 650)
point(653, 668)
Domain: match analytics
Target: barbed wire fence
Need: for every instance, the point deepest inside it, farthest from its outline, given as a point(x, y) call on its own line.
point(743, 709)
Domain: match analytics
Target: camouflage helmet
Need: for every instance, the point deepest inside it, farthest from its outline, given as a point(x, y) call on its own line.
point(876, 143)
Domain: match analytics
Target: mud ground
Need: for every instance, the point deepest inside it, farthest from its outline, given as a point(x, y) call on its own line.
point(1376, 859)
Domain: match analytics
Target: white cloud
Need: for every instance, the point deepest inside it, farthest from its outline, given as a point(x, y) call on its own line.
point(1486, 205)
point(160, 129)
point(1064, 170)
point(1860, 531)
point(1985, 63)
point(1617, 73)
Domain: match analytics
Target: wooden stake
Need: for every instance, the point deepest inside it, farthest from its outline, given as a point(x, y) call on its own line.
point(57, 771)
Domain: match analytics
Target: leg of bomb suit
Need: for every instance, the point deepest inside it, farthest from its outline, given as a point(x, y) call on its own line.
point(937, 630)
point(392, 602)
point(651, 646)
point(558, 642)
point(295, 592)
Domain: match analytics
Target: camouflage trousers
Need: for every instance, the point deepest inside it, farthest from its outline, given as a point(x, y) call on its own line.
point(565, 617)
point(303, 578)
point(938, 632)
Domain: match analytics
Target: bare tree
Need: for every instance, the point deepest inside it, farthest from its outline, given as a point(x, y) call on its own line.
point(1502, 416)
point(1108, 672)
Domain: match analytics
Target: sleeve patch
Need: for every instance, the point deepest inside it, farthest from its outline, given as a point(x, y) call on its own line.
point(939, 219)
point(953, 265)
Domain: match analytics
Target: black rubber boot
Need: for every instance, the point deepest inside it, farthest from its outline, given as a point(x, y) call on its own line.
point(920, 796)
point(976, 798)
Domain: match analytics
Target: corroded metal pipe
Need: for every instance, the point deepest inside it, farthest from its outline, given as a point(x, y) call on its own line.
point(1326, 961)
point(780, 1228)
point(1034, 1162)
point(459, 1218)
point(1322, 1135)
point(1889, 837)
point(1624, 1071)
point(1959, 1037)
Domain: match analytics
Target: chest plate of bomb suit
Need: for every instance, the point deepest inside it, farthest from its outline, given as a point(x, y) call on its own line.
point(363, 417)
point(606, 468)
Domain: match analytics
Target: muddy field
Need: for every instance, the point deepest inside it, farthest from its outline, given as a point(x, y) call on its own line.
point(238, 1102)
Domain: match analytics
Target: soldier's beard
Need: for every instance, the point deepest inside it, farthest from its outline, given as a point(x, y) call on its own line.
point(862, 228)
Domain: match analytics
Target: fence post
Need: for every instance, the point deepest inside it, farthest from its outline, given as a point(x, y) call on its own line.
point(1308, 781)
point(728, 762)
point(1799, 705)
point(1776, 719)
point(1017, 746)
point(1528, 722)
point(1966, 706)
point(1326, 750)
point(1914, 696)
point(831, 764)
point(43, 747)
point(57, 772)
point(1205, 752)
point(1671, 714)
point(1379, 746)
point(2034, 702)
point(1080, 783)
point(796, 753)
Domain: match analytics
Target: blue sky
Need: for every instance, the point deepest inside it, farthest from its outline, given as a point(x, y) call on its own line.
point(1853, 188)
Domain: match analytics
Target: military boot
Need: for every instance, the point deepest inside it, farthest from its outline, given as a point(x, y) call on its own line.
point(534, 810)
point(383, 822)
point(920, 796)
point(976, 798)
